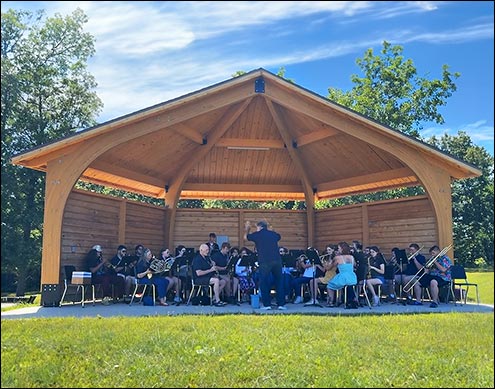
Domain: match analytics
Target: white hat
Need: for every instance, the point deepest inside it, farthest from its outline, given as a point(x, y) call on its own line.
point(97, 247)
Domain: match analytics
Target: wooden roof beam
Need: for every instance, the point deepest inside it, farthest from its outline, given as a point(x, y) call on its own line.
point(240, 142)
point(189, 133)
point(175, 186)
point(163, 118)
point(315, 136)
point(284, 133)
point(241, 188)
point(369, 179)
point(119, 171)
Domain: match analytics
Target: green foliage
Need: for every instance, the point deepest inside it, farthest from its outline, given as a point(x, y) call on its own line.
point(393, 94)
point(472, 200)
point(250, 351)
point(46, 94)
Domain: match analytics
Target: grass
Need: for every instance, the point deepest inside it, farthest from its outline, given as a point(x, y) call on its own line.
point(445, 350)
point(422, 350)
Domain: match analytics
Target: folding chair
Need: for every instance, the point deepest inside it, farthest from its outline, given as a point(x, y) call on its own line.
point(197, 288)
point(68, 270)
point(143, 292)
point(459, 278)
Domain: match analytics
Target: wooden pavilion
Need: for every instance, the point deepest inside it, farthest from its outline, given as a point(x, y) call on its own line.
point(254, 137)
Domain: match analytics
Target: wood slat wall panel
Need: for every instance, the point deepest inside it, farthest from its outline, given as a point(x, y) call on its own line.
point(390, 224)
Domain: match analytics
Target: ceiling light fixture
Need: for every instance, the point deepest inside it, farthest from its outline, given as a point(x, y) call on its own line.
point(247, 148)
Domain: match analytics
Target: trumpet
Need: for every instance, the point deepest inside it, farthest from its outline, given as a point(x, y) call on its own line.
point(429, 263)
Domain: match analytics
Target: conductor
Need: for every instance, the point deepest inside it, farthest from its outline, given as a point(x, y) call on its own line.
point(270, 262)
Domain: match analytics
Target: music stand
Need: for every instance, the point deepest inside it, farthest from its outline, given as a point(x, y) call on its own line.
point(288, 261)
point(183, 266)
point(401, 258)
point(230, 267)
point(313, 256)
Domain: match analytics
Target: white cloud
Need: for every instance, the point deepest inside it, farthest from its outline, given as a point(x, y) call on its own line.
point(480, 132)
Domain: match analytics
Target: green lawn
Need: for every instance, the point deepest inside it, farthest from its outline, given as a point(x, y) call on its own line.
point(485, 286)
point(421, 350)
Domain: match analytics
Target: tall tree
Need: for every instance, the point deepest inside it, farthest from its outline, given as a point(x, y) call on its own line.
point(472, 201)
point(393, 94)
point(47, 93)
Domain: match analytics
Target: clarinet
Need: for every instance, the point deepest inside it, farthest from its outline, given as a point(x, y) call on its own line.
point(211, 263)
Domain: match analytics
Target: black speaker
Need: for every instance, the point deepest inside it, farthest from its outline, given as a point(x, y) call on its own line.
point(50, 295)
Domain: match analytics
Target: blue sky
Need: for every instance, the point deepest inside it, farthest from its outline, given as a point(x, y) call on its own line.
point(150, 52)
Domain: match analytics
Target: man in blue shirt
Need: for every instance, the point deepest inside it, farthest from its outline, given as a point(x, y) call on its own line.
point(269, 261)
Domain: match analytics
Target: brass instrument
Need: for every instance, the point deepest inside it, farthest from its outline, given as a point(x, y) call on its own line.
point(325, 262)
point(158, 265)
point(414, 254)
point(429, 263)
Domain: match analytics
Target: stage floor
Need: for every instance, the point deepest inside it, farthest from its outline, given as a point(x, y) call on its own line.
point(90, 310)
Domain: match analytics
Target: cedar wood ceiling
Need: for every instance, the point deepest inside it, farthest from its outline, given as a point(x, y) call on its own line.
point(255, 137)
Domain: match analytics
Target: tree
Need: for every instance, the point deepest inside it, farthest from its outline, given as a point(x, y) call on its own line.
point(472, 201)
point(47, 94)
point(393, 94)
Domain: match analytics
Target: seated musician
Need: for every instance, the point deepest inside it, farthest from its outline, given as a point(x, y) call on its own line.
point(437, 275)
point(346, 276)
point(174, 283)
point(145, 275)
point(328, 267)
point(414, 266)
point(183, 269)
point(243, 273)
point(102, 272)
point(121, 266)
point(206, 273)
point(360, 265)
point(391, 270)
point(221, 259)
point(377, 272)
point(307, 276)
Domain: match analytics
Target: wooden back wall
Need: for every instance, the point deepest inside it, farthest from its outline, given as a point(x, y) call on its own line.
point(91, 219)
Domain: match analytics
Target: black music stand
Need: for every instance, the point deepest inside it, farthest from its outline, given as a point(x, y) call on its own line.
point(313, 256)
point(288, 261)
point(401, 258)
point(183, 266)
point(231, 271)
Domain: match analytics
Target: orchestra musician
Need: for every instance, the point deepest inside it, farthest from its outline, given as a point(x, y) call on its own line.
point(415, 263)
point(328, 267)
point(243, 272)
point(124, 269)
point(361, 265)
point(174, 282)
point(222, 261)
point(377, 272)
point(205, 272)
point(392, 269)
point(436, 276)
point(145, 275)
point(346, 276)
point(103, 273)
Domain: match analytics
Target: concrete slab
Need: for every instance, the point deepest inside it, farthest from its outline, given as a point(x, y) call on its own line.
point(138, 310)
